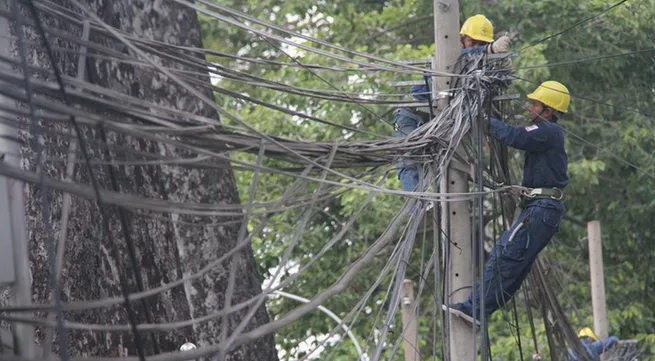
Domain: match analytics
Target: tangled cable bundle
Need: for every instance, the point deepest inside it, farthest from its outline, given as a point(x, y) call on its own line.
point(130, 187)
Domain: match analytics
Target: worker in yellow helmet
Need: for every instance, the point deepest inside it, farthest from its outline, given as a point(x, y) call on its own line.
point(544, 179)
point(593, 345)
point(476, 37)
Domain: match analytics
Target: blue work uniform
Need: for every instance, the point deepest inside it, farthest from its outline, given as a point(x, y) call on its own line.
point(407, 121)
point(510, 260)
point(594, 348)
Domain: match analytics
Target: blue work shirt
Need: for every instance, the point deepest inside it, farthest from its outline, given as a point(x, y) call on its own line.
point(474, 50)
point(595, 348)
point(545, 162)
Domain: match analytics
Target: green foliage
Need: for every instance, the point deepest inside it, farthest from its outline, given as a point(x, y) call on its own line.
point(602, 187)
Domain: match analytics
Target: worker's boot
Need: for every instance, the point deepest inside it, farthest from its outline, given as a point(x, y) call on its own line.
point(456, 309)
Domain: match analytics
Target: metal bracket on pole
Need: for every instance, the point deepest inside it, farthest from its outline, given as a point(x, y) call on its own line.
point(443, 95)
point(433, 82)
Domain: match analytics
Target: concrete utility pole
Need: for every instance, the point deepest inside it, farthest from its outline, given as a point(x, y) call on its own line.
point(410, 323)
point(456, 215)
point(597, 279)
point(12, 223)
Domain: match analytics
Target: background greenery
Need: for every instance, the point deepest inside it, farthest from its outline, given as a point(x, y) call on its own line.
point(602, 186)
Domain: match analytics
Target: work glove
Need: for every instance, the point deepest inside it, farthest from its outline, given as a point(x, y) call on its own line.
point(501, 45)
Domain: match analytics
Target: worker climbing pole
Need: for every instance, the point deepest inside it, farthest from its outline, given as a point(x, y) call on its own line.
point(545, 177)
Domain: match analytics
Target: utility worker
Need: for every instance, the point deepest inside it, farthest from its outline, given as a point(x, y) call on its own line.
point(476, 36)
point(593, 345)
point(544, 176)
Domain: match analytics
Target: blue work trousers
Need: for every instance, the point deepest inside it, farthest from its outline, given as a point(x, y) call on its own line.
point(594, 348)
point(511, 258)
point(407, 170)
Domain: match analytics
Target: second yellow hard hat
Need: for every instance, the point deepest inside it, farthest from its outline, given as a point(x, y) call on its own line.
point(587, 332)
point(553, 94)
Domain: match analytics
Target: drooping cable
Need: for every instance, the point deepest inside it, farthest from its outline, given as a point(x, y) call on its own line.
point(325, 81)
point(575, 25)
point(611, 154)
point(581, 60)
point(62, 336)
point(576, 96)
point(533, 330)
point(105, 217)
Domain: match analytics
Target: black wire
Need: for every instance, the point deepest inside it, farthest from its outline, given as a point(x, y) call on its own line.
point(533, 331)
point(575, 61)
point(62, 335)
point(574, 96)
point(446, 274)
point(419, 274)
point(436, 218)
point(601, 149)
point(552, 347)
point(494, 206)
point(480, 212)
point(131, 250)
point(518, 330)
point(94, 181)
point(323, 79)
point(504, 167)
point(489, 348)
point(535, 42)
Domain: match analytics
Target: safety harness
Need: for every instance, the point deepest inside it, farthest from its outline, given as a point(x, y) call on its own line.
point(528, 194)
point(540, 193)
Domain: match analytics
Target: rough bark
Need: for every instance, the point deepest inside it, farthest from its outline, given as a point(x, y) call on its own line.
point(165, 251)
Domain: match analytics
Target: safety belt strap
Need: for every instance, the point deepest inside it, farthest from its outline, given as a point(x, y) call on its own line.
point(552, 193)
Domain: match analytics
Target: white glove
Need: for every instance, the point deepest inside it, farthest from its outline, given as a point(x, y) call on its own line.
point(501, 45)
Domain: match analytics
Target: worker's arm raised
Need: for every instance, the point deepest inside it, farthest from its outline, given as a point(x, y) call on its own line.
point(602, 346)
point(532, 138)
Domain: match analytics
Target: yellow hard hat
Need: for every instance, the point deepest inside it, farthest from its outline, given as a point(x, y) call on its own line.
point(587, 332)
point(479, 28)
point(553, 94)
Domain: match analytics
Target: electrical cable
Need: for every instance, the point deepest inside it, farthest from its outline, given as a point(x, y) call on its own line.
point(575, 25)
point(324, 80)
point(575, 96)
point(195, 138)
point(105, 221)
point(580, 60)
point(62, 337)
point(613, 155)
point(236, 13)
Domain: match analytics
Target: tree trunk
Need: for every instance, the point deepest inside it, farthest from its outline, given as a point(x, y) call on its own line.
point(166, 250)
